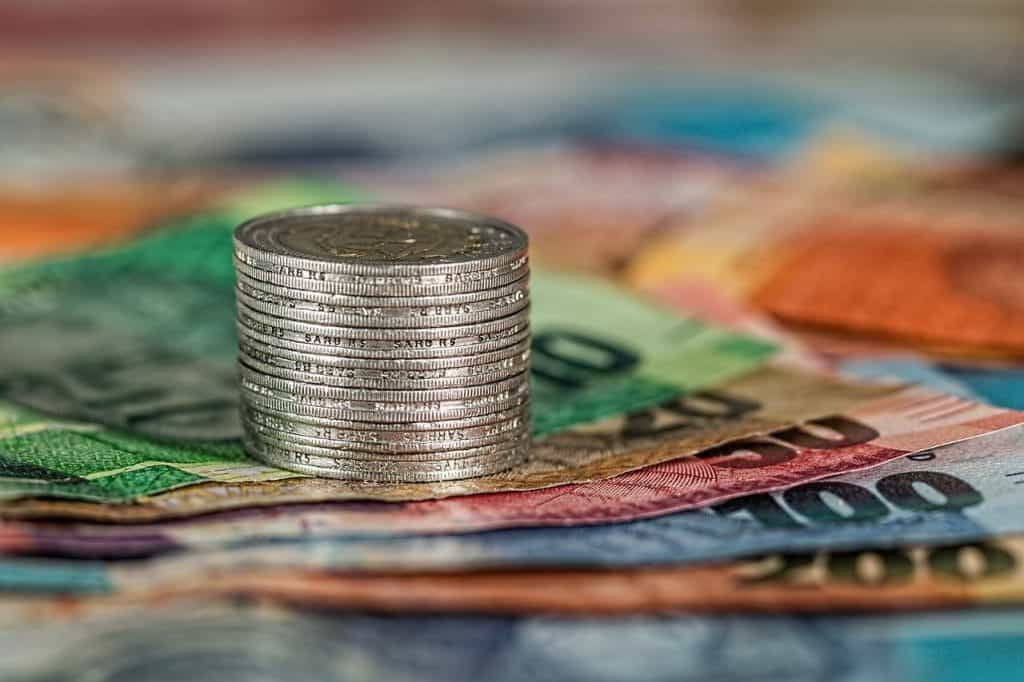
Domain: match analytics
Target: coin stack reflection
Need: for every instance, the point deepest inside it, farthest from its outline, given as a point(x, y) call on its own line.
point(383, 343)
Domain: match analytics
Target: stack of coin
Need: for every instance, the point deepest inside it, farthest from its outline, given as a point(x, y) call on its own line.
point(383, 343)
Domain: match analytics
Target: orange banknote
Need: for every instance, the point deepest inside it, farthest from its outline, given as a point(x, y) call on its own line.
point(908, 264)
point(901, 278)
point(988, 572)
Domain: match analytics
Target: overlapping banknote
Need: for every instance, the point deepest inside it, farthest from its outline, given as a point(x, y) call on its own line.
point(198, 641)
point(725, 467)
point(859, 250)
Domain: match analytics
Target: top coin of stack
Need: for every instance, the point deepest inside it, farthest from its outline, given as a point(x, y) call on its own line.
point(383, 343)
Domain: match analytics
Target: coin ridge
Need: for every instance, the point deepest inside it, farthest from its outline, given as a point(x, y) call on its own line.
point(401, 452)
point(390, 476)
point(377, 355)
point(372, 459)
point(275, 264)
point(405, 364)
point(513, 366)
point(343, 299)
point(430, 425)
point(384, 471)
point(400, 395)
point(423, 414)
point(405, 320)
point(469, 284)
point(374, 439)
point(463, 331)
point(381, 406)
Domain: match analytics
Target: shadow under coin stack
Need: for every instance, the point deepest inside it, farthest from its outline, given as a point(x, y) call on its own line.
point(383, 343)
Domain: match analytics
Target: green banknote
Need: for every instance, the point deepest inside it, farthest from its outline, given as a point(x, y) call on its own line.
point(117, 368)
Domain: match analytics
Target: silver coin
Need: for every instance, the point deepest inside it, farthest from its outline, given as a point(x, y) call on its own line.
point(382, 401)
point(335, 450)
point(389, 477)
point(283, 388)
point(404, 452)
point(460, 355)
point(400, 350)
point(389, 316)
point(388, 441)
point(383, 412)
point(328, 302)
point(262, 265)
point(405, 429)
point(345, 451)
point(383, 471)
point(388, 379)
point(463, 283)
point(296, 330)
point(382, 239)
point(288, 454)
point(386, 369)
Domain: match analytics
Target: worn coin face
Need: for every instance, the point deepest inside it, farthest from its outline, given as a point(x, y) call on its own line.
point(382, 239)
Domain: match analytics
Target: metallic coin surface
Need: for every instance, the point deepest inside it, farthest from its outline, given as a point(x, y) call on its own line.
point(385, 441)
point(402, 452)
point(382, 239)
point(340, 335)
point(275, 354)
point(371, 315)
point(314, 372)
point(284, 388)
point(379, 412)
point(379, 354)
point(510, 389)
point(356, 453)
point(330, 302)
point(383, 471)
point(367, 285)
point(411, 430)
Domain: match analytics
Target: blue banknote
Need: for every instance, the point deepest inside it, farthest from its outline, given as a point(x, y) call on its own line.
point(1002, 386)
point(238, 642)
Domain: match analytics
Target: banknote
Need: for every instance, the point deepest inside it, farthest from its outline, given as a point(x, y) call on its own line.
point(915, 498)
point(1001, 385)
point(934, 265)
point(766, 400)
point(201, 641)
point(988, 572)
point(118, 368)
point(961, 492)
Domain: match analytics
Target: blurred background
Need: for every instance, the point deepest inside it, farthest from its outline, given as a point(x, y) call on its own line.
point(114, 112)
